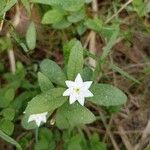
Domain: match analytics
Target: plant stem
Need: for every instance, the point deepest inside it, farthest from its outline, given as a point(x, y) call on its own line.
point(36, 135)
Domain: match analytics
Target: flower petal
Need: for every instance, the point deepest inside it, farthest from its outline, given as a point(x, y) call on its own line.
point(81, 100)
point(69, 83)
point(31, 118)
point(38, 122)
point(67, 92)
point(78, 80)
point(87, 93)
point(72, 99)
point(87, 84)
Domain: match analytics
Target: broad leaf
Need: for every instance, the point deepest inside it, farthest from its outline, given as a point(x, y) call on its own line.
point(62, 24)
point(47, 101)
point(44, 82)
point(107, 95)
point(76, 16)
point(75, 63)
point(69, 116)
point(50, 69)
point(53, 16)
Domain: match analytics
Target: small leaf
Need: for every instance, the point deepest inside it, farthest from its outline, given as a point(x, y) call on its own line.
point(123, 73)
point(8, 113)
point(8, 5)
point(62, 24)
point(10, 140)
point(2, 5)
point(107, 95)
point(94, 24)
point(6, 126)
point(31, 36)
point(75, 63)
point(87, 74)
point(44, 82)
point(50, 69)
point(67, 48)
point(6, 96)
point(53, 16)
point(69, 116)
point(76, 16)
point(47, 101)
point(72, 5)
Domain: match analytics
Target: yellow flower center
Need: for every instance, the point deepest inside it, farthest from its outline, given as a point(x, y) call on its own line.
point(77, 90)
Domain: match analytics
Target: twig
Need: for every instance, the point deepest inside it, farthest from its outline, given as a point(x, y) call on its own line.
point(2, 22)
point(124, 137)
point(123, 7)
point(11, 54)
point(92, 35)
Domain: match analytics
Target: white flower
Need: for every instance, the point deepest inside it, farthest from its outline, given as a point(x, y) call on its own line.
point(38, 118)
point(78, 90)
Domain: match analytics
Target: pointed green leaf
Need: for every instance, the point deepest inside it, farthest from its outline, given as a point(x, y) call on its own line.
point(53, 16)
point(47, 101)
point(107, 95)
point(75, 63)
point(50, 69)
point(31, 36)
point(44, 82)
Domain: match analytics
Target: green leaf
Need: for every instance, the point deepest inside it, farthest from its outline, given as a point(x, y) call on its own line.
point(50, 69)
point(46, 2)
point(31, 36)
point(72, 5)
point(10, 140)
point(87, 74)
point(6, 96)
point(8, 113)
point(53, 16)
point(139, 7)
point(123, 73)
point(2, 5)
point(94, 24)
point(110, 44)
point(76, 16)
point(44, 82)
point(62, 24)
point(8, 5)
point(95, 143)
point(107, 95)
point(67, 48)
point(69, 116)
point(75, 63)
point(6, 126)
point(74, 143)
point(47, 101)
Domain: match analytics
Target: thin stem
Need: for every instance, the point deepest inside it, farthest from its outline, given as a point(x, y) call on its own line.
point(36, 135)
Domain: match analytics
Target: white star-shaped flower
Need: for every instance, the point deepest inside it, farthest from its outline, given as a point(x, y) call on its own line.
point(78, 90)
point(38, 118)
